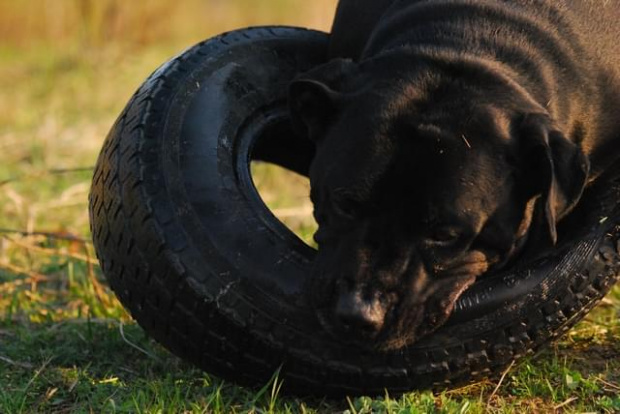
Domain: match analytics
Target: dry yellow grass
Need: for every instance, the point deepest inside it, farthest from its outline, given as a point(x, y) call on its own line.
point(140, 23)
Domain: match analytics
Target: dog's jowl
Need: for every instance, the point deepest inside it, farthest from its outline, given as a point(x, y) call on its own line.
point(452, 136)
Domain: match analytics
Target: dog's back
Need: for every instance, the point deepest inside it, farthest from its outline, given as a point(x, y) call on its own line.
point(565, 53)
point(598, 23)
point(595, 21)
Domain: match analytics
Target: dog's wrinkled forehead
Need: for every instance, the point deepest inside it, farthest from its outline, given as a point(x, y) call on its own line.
point(407, 148)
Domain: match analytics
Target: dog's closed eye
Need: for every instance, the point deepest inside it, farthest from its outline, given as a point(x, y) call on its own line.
point(443, 236)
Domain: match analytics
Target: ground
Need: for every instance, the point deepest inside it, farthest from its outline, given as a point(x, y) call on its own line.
point(66, 344)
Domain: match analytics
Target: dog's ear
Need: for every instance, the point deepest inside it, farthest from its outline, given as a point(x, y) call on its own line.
point(314, 97)
point(556, 170)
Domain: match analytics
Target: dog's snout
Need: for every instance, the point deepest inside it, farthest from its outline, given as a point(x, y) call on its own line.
point(363, 316)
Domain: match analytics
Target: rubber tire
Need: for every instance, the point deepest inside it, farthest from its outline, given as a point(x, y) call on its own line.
point(205, 268)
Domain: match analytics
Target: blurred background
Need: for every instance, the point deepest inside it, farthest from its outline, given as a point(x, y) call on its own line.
point(68, 67)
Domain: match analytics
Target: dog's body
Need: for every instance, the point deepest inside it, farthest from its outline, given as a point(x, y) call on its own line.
point(451, 136)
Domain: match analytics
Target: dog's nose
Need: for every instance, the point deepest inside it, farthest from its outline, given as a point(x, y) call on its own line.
point(364, 316)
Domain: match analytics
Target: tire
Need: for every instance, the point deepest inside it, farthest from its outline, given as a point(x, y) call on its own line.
point(207, 270)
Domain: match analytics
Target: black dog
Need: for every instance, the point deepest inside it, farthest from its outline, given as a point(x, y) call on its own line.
point(451, 136)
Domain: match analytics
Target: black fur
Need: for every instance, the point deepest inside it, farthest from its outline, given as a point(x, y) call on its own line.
point(451, 136)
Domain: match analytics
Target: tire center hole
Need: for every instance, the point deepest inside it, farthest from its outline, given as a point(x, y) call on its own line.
point(286, 194)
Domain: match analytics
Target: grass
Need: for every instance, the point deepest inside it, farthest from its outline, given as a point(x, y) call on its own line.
point(66, 344)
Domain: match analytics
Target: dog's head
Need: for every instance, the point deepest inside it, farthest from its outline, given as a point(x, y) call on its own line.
point(419, 186)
